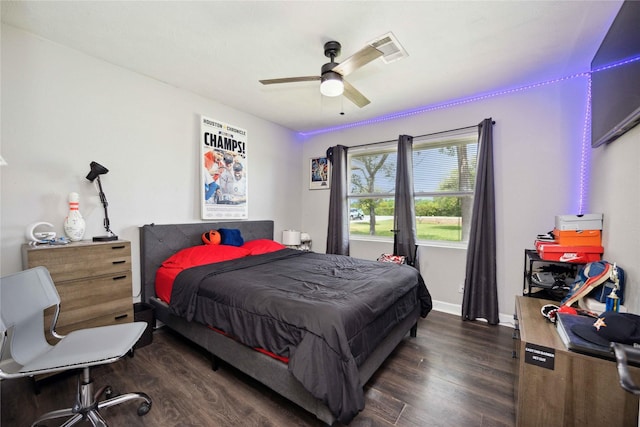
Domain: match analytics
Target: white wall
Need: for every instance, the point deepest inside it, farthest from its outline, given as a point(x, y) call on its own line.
point(537, 142)
point(616, 193)
point(62, 109)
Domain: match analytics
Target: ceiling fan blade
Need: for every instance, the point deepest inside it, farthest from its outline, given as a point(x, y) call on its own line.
point(353, 95)
point(290, 80)
point(357, 60)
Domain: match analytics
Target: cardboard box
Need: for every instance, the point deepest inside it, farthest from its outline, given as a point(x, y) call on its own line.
point(579, 222)
point(578, 237)
point(575, 254)
point(538, 243)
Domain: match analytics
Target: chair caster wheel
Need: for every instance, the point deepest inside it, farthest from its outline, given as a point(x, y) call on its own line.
point(144, 409)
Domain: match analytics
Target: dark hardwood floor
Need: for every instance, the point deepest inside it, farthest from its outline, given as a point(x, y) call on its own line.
point(454, 373)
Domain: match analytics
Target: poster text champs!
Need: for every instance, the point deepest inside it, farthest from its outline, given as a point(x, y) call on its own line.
point(223, 190)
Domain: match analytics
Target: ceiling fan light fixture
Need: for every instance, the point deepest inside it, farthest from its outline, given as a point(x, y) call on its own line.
point(331, 84)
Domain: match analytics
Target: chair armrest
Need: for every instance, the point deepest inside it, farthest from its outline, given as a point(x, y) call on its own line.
point(624, 353)
point(54, 321)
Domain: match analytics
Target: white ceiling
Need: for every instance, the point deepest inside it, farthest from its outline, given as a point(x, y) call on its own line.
point(220, 49)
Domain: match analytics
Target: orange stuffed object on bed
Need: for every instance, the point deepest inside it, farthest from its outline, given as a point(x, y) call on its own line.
point(211, 237)
point(192, 257)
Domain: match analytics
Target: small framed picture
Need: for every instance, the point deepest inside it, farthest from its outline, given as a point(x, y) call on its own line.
point(319, 173)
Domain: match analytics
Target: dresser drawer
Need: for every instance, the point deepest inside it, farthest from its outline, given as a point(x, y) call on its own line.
point(93, 280)
point(77, 260)
point(124, 316)
point(95, 297)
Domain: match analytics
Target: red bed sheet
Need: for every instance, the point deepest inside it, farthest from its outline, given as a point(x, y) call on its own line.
point(206, 254)
point(164, 282)
point(166, 275)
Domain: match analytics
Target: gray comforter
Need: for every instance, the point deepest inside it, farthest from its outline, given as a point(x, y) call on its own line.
point(326, 313)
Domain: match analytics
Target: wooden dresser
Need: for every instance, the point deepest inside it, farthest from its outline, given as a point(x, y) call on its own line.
point(93, 280)
point(558, 387)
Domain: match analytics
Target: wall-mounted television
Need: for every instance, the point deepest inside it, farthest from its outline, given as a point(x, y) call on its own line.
point(615, 90)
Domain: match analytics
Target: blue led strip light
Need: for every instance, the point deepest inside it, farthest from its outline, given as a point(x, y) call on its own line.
point(435, 107)
point(585, 158)
point(585, 153)
point(617, 64)
point(461, 101)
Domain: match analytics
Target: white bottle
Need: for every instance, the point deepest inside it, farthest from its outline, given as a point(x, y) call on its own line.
point(74, 223)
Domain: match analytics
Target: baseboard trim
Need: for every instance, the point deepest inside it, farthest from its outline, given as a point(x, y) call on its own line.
point(456, 309)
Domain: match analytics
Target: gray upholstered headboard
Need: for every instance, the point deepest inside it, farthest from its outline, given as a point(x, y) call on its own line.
point(159, 241)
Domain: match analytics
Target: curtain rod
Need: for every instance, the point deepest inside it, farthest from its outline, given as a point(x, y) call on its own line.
point(419, 136)
point(371, 143)
point(493, 122)
point(447, 131)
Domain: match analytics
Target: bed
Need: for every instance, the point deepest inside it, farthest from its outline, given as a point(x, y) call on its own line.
point(350, 343)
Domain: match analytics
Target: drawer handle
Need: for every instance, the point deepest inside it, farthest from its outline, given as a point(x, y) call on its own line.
point(118, 262)
point(117, 247)
point(120, 277)
point(121, 316)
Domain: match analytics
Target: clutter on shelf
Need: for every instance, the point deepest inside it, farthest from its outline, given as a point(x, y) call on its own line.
point(599, 284)
point(575, 238)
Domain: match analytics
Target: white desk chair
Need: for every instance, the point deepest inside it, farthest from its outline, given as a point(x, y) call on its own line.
point(25, 352)
point(625, 354)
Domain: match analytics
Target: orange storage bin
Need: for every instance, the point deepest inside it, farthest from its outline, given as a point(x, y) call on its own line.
point(578, 237)
point(577, 254)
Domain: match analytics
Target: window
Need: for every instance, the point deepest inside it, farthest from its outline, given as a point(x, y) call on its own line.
point(444, 169)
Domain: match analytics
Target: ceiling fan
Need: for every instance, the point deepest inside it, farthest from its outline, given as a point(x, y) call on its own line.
point(331, 75)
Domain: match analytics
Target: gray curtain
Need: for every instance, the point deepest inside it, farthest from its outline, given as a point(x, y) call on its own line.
point(338, 230)
point(480, 299)
point(404, 218)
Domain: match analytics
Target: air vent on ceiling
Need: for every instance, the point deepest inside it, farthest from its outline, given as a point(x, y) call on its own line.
point(390, 48)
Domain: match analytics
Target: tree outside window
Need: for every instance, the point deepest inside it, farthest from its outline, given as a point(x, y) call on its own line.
point(444, 185)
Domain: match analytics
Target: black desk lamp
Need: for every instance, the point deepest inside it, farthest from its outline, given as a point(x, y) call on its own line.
point(97, 170)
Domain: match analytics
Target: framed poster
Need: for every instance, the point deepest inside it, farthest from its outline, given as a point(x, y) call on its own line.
point(319, 173)
point(223, 160)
